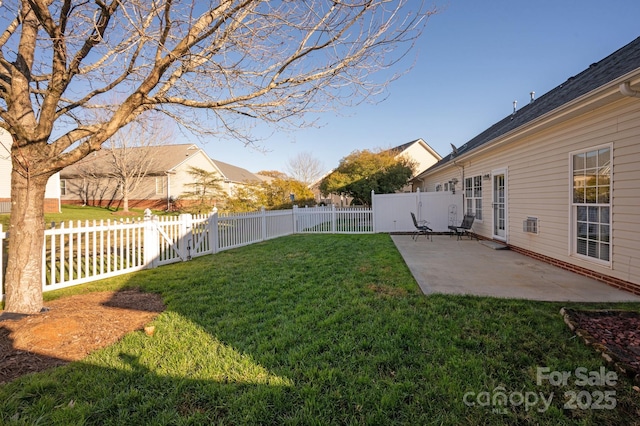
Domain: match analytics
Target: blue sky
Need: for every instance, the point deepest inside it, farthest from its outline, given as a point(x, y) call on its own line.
point(474, 59)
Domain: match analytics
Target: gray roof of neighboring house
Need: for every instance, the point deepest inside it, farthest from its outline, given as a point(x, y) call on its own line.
point(166, 157)
point(264, 178)
point(617, 64)
point(235, 173)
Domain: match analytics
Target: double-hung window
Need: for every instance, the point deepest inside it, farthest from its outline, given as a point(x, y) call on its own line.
point(473, 196)
point(591, 204)
point(159, 185)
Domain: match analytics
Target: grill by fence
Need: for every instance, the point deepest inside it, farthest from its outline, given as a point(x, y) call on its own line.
point(80, 252)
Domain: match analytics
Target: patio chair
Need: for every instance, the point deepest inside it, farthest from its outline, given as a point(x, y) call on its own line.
point(464, 228)
point(422, 228)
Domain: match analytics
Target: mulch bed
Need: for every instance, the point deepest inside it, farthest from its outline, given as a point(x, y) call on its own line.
point(70, 329)
point(615, 334)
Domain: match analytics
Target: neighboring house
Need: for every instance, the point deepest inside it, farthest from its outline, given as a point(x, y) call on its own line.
point(89, 181)
point(418, 151)
point(328, 199)
point(559, 179)
point(264, 178)
point(52, 193)
point(235, 177)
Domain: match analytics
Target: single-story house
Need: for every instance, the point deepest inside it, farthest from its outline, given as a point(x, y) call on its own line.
point(559, 179)
point(235, 177)
point(52, 192)
point(91, 181)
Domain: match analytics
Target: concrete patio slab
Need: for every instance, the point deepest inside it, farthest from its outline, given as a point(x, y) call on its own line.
point(450, 266)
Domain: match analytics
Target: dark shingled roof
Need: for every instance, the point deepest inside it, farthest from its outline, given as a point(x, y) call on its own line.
point(401, 148)
point(619, 63)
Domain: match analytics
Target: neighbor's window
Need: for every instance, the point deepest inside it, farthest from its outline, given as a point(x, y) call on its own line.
point(592, 203)
point(160, 185)
point(438, 187)
point(63, 187)
point(473, 196)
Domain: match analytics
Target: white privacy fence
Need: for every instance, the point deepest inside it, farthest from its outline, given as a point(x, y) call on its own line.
point(392, 212)
point(80, 252)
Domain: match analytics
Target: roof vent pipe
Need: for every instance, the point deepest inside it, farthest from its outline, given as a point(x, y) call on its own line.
point(515, 103)
point(625, 89)
point(533, 96)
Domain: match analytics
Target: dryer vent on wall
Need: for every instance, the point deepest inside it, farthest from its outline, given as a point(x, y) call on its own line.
point(530, 225)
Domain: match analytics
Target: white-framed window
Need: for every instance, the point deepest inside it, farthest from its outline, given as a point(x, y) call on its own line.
point(159, 184)
point(63, 187)
point(473, 196)
point(446, 187)
point(438, 187)
point(591, 203)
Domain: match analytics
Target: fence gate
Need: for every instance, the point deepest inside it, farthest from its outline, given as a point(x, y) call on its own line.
point(177, 240)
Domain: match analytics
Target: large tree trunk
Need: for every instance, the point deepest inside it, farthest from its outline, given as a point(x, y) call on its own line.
point(125, 198)
point(26, 238)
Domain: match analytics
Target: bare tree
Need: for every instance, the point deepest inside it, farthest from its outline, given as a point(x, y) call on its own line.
point(215, 67)
point(132, 156)
point(305, 168)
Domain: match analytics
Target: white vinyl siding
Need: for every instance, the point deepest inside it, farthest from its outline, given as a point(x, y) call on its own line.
point(181, 178)
point(540, 185)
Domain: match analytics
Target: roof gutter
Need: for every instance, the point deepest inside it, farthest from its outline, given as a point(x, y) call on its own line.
point(626, 90)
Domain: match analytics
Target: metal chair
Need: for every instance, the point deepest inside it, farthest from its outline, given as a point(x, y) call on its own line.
point(464, 228)
point(422, 228)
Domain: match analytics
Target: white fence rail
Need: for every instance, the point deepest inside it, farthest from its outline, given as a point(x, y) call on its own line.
point(334, 220)
point(83, 252)
point(77, 253)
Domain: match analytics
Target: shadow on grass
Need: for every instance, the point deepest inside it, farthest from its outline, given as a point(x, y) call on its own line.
point(313, 330)
point(15, 363)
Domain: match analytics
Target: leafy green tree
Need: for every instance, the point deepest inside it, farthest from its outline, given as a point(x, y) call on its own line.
point(245, 198)
point(364, 171)
point(203, 192)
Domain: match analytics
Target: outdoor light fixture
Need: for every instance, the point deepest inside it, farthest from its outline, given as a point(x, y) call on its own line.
point(452, 185)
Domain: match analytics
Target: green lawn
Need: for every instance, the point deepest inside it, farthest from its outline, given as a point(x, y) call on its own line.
point(315, 330)
point(77, 213)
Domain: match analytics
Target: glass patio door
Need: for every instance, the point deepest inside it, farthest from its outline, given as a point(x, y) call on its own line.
point(499, 205)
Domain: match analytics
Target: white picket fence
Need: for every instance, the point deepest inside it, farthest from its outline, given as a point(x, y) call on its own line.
point(80, 252)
